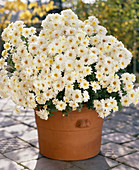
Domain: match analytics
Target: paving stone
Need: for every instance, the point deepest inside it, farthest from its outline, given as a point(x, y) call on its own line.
point(118, 137)
point(5, 121)
point(34, 142)
point(1, 156)
point(7, 104)
point(30, 122)
point(106, 131)
point(17, 130)
point(23, 116)
point(29, 135)
point(133, 144)
point(118, 128)
point(1, 115)
point(22, 155)
point(112, 124)
point(128, 110)
point(7, 164)
point(104, 141)
point(9, 145)
point(131, 159)
point(115, 150)
point(4, 101)
point(6, 113)
point(122, 117)
point(134, 114)
point(128, 129)
point(96, 163)
point(73, 168)
point(5, 135)
point(135, 122)
point(47, 164)
point(122, 167)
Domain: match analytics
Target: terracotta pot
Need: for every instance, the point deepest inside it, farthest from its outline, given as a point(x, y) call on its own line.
point(75, 137)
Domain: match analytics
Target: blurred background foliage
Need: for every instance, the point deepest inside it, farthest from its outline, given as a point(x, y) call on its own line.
point(120, 17)
point(30, 12)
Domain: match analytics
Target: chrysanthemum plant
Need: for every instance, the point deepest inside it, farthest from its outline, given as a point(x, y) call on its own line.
point(69, 64)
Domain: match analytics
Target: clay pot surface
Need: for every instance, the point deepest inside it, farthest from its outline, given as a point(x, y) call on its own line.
point(75, 137)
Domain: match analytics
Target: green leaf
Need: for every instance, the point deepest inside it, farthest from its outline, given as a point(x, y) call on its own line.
point(38, 107)
point(120, 106)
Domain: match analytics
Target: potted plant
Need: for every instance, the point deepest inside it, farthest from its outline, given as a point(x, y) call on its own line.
point(73, 74)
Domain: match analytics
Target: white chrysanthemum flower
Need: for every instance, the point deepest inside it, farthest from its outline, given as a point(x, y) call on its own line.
point(32, 30)
point(110, 89)
point(93, 20)
point(4, 53)
point(7, 46)
point(69, 65)
point(125, 101)
point(132, 95)
point(69, 87)
point(95, 40)
point(79, 66)
point(103, 114)
point(2, 62)
point(129, 86)
point(5, 34)
point(95, 86)
point(70, 31)
point(101, 30)
point(84, 84)
point(48, 95)
point(86, 96)
point(69, 79)
point(22, 51)
point(66, 99)
point(55, 101)
point(115, 82)
point(88, 29)
point(77, 96)
point(17, 24)
point(29, 71)
point(105, 81)
point(56, 75)
point(85, 42)
point(33, 39)
point(71, 54)
point(87, 71)
point(33, 48)
point(127, 78)
point(26, 32)
point(97, 104)
point(43, 114)
point(73, 104)
point(16, 42)
point(99, 75)
point(57, 86)
point(82, 50)
point(16, 33)
point(92, 58)
point(123, 63)
point(61, 105)
point(60, 59)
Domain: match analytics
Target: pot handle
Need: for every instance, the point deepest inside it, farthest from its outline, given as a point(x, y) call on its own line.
point(83, 123)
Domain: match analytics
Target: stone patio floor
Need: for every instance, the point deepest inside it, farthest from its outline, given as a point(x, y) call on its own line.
point(19, 143)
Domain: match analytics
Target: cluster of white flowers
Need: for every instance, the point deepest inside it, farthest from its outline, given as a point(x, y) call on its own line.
point(61, 56)
point(104, 107)
point(89, 1)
